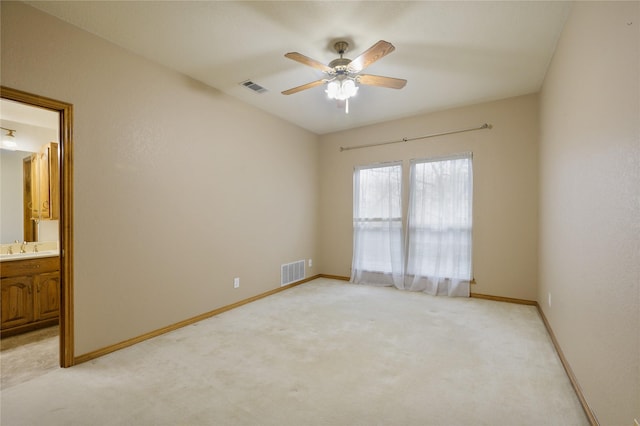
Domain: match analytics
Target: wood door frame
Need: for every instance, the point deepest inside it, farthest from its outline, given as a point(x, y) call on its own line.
point(65, 111)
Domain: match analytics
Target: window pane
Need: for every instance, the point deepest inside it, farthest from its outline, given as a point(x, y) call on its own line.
point(440, 219)
point(379, 192)
point(377, 222)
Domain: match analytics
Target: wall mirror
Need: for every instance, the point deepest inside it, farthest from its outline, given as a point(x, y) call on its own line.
point(29, 173)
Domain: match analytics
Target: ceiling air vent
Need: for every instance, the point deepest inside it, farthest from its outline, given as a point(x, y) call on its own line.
point(253, 86)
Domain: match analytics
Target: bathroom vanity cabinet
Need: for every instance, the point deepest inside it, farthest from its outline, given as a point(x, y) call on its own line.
point(30, 294)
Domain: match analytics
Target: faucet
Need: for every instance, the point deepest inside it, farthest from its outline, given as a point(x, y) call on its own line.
point(23, 247)
point(10, 249)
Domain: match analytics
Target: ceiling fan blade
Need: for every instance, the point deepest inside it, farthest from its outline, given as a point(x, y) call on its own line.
point(375, 52)
point(299, 57)
point(303, 87)
point(376, 80)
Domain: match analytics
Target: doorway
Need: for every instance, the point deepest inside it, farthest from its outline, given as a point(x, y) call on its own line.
point(65, 224)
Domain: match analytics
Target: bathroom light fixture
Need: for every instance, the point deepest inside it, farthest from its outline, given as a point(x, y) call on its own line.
point(9, 143)
point(10, 132)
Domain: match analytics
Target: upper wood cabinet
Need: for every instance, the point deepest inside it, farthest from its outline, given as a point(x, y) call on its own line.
point(45, 178)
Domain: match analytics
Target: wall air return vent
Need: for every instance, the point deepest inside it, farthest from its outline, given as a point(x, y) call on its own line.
point(291, 272)
point(253, 86)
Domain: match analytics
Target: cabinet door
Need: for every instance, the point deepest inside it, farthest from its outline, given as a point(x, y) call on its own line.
point(45, 181)
point(27, 198)
point(54, 180)
point(35, 188)
point(40, 185)
point(47, 297)
point(17, 301)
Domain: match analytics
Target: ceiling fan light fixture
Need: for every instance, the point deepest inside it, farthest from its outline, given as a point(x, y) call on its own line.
point(349, 88)
point(332, 89)
point(341, 89)
point(344, 74)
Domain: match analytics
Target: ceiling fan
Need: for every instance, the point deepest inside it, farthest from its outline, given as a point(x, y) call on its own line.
point(343, 74)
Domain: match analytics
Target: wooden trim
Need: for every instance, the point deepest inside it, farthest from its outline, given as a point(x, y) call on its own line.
point(129, 342)
point(475, 295)
point(28, 327)
point(343, 278)
point(65, 111)
point(334, 277)
point(567, 368)
point(504, 299)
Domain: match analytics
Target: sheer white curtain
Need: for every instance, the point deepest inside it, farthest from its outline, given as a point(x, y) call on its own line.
point(377, 225)
point(439, 226)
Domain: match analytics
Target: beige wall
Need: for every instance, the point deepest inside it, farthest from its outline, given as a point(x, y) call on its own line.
point(178, 187)
point(590, 204)
point(505, 161)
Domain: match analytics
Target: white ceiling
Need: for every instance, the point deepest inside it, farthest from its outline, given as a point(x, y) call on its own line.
point(452, 53)
point(33, 126)
point(27, 114)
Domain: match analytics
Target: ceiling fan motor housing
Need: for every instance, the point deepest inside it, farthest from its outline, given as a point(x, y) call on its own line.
point(341, 47)
point(340, 65)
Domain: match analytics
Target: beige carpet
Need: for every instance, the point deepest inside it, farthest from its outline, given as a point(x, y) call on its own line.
point(323, 353)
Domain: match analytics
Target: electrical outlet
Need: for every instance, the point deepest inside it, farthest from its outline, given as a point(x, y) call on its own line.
point(236, 282)
point(549, 299)
point(310, 263)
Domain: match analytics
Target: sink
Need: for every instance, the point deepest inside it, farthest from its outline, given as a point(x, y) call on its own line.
point(31, 255)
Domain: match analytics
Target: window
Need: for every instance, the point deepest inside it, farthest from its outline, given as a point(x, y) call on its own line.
point(440, 224)
point(437, 256)
point(377, 224)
